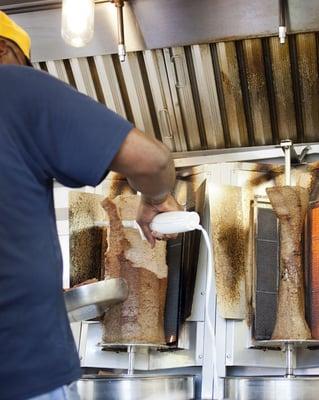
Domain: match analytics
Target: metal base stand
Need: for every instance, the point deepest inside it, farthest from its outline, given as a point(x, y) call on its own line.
point(137, 387)
point(288, 387)
point(272, 388)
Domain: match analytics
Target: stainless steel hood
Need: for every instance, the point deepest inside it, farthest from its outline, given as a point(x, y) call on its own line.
point(15, 3)
point(24, 5)
point(232, 91)
point(184, 22)
point(151, 24)
point(44, 28)
point(251, 92)
point(18, 6)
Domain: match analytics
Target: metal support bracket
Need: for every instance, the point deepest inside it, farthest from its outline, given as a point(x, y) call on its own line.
point(294, 157)
point(119, 4)
point(291, 157)
point(287, 146)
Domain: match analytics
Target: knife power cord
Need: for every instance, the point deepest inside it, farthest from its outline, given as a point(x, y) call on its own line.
point(208, 294)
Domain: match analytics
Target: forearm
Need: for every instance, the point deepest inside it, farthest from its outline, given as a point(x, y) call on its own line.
point(155, 185)
point(148, 166)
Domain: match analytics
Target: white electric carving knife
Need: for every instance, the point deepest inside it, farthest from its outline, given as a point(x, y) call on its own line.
point(165, 223)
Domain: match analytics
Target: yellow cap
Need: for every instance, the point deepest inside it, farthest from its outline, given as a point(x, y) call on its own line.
point(10, 30)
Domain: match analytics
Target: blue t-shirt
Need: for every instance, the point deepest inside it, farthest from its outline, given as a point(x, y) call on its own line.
point(47, 130)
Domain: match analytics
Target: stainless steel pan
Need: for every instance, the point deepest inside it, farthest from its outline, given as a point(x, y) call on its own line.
point(92, 300)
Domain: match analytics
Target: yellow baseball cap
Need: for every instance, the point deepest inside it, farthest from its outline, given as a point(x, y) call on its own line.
point(10, 30)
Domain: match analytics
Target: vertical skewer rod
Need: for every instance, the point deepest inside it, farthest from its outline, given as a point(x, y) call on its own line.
point(287, 166)
point(131, 360)
point(290, 350)
point(289, 347)
point(286, 146)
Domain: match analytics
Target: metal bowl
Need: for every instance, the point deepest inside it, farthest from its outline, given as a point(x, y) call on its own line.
point(92, 300)
point(137, 387)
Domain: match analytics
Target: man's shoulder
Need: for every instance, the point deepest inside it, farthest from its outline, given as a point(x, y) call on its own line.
point(20, 70)
point(27, 81)
point(21, 75)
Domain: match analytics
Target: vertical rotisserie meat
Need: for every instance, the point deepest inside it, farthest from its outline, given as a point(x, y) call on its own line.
point(140, 319)
point(290, 205)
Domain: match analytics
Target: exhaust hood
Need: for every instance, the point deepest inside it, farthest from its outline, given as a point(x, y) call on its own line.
point(209, 94)
point(26, 5)
point(18, 6)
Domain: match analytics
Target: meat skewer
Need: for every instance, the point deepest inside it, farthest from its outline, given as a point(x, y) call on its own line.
point(140, 319)
point(290, 205)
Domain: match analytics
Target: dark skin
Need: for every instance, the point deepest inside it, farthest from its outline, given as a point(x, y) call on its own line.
point(10, 53)
point(149, 170)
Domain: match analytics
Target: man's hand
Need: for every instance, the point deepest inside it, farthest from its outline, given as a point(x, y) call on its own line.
point(147, 212)
point(149, 169)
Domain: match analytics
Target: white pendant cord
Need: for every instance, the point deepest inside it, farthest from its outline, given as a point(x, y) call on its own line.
point(208, 292)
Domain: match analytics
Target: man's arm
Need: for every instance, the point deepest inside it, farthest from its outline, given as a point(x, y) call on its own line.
point(149, 168)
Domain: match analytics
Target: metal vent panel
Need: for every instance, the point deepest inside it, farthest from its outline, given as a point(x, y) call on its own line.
point(267, 271)
point(229, 94)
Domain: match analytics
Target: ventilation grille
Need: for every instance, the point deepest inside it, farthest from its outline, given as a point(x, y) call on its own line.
point(220, 95)
point(267, 273)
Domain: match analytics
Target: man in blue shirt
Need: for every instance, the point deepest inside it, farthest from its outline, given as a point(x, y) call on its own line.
point(49, 131)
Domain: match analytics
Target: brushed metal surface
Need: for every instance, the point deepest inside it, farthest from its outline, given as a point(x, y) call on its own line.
point(7, 4)
point(138, 387)
point(283, 342)
point(90, 301)
point(188, 21)
point(272, 388)
point(47, 44)
point(225, 80)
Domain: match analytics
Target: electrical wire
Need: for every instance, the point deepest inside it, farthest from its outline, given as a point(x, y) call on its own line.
point(208, 291)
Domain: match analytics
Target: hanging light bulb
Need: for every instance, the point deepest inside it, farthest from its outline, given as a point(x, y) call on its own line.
point(77, 22)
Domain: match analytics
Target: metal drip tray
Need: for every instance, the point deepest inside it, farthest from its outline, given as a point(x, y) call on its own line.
point(137, 387)
point(272, 388)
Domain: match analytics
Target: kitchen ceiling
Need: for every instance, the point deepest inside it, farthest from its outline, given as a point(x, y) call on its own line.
point(26, 5)
point(15, 6)
point(29, 3)
point(13, 2)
